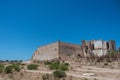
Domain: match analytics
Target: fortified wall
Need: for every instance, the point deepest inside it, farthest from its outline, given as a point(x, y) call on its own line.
point(66, 51)
point(47, 52)
point(59, 50)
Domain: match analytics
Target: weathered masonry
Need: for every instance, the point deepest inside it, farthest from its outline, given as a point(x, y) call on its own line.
point(65, 51)
point(57, 50)
point(97, 47)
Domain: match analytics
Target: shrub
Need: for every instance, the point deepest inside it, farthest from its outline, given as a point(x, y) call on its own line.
point(12, 67)
point(58, 66)
point(67, 64)
point(55, 65)
point(16, 67)
point(105, 63)
point(47, 63)
point(63, 67)
point(1, 68)
point(32, 67)
point(113, 53)
point(86, 79)
point(45, 77)
point(59, 74)
point(8, 69)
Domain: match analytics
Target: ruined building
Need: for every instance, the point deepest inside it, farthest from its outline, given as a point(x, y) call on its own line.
point(57, 50)
point(97, 47)
point(65, 51)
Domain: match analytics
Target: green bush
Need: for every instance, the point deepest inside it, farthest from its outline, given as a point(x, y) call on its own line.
point(1, 68)
point(16, 67)
point(45, 77)
point(8, 69)
point(47, 63)
point(32, 67)
point(12, 67)
point(59, 74)
point(63, 67)
point(54, 65)
point(112, 53)
point(58, 66)
point(106, 63)
point(67, 64)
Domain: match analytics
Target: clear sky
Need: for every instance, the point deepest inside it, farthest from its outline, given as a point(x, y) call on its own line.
point(27, 24)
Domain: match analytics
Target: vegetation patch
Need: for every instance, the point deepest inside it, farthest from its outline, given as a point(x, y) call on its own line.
point(12, 67)
point(47, 63)
point(8, 69)
point(59, 74)
point(106, 63)
point(32, 67)
point(56, 65)
point(1, 68)
point(63, 67)
point(45, 77)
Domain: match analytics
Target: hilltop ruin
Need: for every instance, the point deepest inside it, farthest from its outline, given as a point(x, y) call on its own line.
point(65, 51)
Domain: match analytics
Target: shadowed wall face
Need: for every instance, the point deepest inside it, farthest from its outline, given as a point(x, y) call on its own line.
point(67, 51)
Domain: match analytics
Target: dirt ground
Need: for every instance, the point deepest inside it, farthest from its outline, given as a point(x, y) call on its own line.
point(76, 72)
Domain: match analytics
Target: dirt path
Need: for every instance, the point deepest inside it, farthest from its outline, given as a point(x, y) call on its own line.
point(97, 70)
point(89, 77)
point(43, 72)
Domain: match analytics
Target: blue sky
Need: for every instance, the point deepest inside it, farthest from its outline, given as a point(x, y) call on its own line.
point(27, 24)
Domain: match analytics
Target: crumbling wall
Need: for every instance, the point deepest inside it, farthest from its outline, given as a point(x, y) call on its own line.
point(58, 50)
point(112, 45)
point(67, 50)
point(97, 47)
point(47, 52)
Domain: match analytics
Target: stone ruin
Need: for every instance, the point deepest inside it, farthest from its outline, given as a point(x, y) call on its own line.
point(97, 47)
point(66, 51)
